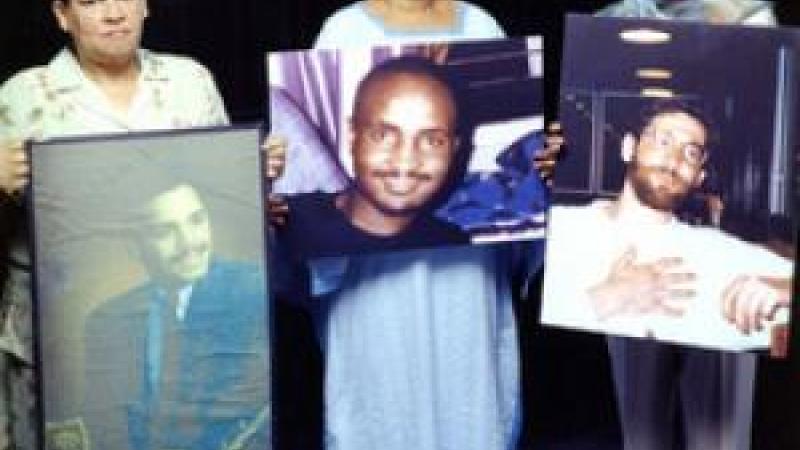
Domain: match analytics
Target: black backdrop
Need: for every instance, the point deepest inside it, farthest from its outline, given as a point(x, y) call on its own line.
point(567, 391)
point(231, 36)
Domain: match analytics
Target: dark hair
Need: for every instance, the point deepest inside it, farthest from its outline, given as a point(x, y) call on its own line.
point(676, 106)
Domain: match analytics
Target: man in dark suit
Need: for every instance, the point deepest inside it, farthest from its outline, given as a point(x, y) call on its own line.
point(179, 362)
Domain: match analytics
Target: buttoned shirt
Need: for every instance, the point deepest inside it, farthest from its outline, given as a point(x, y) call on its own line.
point(58, 99)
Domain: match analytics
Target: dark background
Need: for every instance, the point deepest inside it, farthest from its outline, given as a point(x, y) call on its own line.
point(567, 390)
point(231, 36)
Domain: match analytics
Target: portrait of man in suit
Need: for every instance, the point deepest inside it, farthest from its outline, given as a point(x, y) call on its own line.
point(179, 361)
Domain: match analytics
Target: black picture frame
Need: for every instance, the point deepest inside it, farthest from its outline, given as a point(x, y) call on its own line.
point(122, 226)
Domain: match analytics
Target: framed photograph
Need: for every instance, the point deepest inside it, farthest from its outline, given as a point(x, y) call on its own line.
point(410, 146)
point(674, 209)
point(151, 291)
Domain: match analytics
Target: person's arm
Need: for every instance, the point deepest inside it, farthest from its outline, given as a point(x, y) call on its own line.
point(274, 149)
point(545, 160)
point(19, 113)
point(14, 169)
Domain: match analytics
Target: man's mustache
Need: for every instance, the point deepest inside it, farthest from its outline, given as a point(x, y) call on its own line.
point(676, 176)
point(394, 173)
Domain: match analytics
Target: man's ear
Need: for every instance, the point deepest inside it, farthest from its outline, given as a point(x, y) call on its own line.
point(628, 147)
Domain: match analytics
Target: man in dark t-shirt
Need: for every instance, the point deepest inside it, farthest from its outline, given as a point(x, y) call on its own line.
point(406, 155)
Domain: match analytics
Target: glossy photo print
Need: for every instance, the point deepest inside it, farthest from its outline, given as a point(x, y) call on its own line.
point(410, 146)
point(673, 214)
point(151, 291)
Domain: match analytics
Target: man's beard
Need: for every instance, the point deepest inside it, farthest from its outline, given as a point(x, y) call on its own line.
point(657, 196)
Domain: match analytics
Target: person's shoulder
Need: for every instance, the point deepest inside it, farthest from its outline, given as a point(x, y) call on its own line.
point(172, 65)
point(308, 199)
point(342, 23)
point(19, 90)
point(345, 14)
point(236, 276)
point(474, 10)
point(478, 22)
point(19, 96)
point(595, 209)
point(306, 208)
point(224, 269)
point(23, 79)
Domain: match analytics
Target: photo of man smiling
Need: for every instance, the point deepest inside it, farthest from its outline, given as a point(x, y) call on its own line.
point(406, 155)
point(411, 146)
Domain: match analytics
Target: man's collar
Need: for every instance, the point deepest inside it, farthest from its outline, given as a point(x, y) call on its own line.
point(66, 72)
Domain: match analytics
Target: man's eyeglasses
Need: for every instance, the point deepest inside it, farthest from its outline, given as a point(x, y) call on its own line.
point(665, 140)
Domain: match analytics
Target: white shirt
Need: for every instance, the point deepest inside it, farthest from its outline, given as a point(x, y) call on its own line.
point(59, 100)
point(355, 25)
point(583, 243)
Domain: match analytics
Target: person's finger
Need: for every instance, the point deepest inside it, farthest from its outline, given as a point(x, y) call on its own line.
point(667, 263)
point(277, 220)
point(544, 166)
point(625, 260)
point(276, 199)
point(19, 184)
point(554, 142)
point(677, 277)
point(274, 142)
point(22, 170)
point(770, 310)
point(745, 299)
point(728, 299)
point(554, 127)
point(439, 53)
point(277, 208)
point(19, 156)
point(755, 318)
point(547, 155)
point(275, 148)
